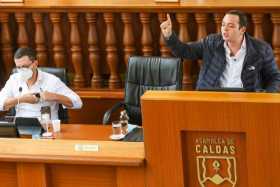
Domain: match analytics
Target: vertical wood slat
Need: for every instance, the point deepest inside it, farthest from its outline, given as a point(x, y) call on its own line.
point(111, 49)
point(164, 50)
point(6, 43)
point(257, 19)
point(40, 39)
point(218, 18)
point(76, 51)
point(128, 37)
point(275, 18)
point(31, 175)
point(182, 19)
point(93, 50)
point(22, 37)
point(146, 39)
point(57, 41)
point(138, 179)
point(201, 19)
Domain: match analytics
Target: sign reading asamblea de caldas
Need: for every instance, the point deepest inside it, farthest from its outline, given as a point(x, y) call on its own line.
point(215, 161)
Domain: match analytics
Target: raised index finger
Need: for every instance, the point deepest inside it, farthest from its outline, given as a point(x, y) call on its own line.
point(168, 18)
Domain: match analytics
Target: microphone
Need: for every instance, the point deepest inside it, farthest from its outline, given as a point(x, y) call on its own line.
point(17, 106)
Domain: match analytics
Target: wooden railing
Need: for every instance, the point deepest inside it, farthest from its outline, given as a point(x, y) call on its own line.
point(93, 40)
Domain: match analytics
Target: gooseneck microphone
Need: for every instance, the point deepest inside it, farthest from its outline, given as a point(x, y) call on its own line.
point(17, 107)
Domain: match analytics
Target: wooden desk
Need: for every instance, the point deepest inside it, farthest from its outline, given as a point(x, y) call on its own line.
point(211, 139)
point(27, 162)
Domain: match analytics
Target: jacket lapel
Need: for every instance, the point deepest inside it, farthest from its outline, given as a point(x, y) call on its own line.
point(249, 70)
point(220, 61)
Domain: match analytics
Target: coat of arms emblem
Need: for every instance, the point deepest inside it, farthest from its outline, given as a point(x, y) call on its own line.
point(216, 170)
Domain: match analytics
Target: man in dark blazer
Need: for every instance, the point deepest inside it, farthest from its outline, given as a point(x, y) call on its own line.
point(231, 58)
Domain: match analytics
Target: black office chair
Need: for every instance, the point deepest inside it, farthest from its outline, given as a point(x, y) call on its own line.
point(60, 73)
point(146, 73)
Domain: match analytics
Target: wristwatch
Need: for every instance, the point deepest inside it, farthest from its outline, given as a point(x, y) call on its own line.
point(37, 95)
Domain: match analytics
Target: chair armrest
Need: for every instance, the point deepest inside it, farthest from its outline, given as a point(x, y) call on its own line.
point(107, 115)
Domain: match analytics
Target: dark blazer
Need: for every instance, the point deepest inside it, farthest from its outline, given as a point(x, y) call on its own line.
point(259, 72)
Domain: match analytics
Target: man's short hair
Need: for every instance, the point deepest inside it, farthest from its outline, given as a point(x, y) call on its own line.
point(243, 22)
point(25, 51)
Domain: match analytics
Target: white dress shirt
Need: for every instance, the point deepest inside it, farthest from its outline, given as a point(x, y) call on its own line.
point(15, 87)
point(231, 77)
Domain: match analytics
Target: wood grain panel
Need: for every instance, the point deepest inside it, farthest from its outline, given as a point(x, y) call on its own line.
point(8, 174)
point(251, 115)
point(66, 176)
point(138, 179)
point(57, 163)
point(93, 111)
point(84, 132)
point(64, 151)
point(36, 175)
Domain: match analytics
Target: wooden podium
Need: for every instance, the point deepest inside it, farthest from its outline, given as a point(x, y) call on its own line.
point(206, 139)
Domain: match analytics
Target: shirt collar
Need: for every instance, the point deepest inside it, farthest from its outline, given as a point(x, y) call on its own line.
point(243, 46)
point(40, 75)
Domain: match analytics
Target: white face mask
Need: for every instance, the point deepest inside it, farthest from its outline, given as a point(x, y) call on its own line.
point(25, 74)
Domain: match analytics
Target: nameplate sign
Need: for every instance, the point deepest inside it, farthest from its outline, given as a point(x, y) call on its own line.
point(214, 159)
point(87, 147)
point(11, 1)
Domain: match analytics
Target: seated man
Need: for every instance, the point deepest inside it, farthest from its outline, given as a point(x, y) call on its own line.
point(231, 59)
point(29, 89)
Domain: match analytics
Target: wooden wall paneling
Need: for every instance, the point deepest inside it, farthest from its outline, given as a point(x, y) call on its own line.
point(31, 174)
point(146, 39)
point(111, 49)
point(257, 20)
point(8, 174)
point(182, 19)
point(93, 50)
point(218, 19)
point(59, 162)
point(201, 19)
point(42, 54)
point(76, 54)
point(6, 45)
point(275, 18)
point(128, 36)
point(57, 40)
point(94, 108)
point(22, 37)
point(66, 175)
point(138, 176)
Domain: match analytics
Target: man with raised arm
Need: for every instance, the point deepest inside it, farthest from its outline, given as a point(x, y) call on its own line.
point(231, 59)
